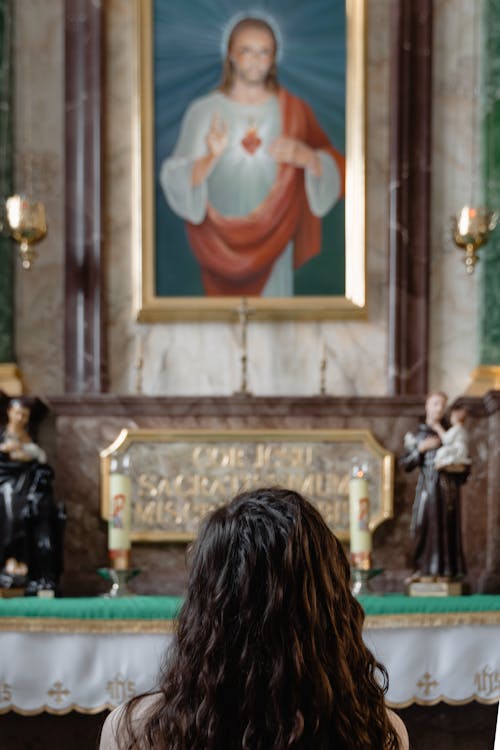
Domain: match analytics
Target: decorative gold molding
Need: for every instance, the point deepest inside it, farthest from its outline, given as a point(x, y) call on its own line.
point(10, 379)
point(483, 379)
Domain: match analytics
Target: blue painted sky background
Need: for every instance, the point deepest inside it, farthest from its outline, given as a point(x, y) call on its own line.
point(187, 64)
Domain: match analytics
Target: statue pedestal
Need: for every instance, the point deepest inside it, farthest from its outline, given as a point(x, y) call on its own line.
point(434, 588)
point(10, 593)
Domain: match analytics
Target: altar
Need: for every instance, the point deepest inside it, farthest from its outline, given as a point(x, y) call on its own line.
point(90, 654)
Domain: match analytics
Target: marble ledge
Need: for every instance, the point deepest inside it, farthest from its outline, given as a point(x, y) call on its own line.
point(116, 405)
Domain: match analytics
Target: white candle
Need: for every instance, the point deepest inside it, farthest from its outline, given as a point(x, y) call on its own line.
point(359, 517)
point(463, 222)
point(119, 519)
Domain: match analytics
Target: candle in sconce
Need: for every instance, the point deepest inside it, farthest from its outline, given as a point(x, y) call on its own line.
point(119, 515)
point(359, 519)
point(463, 223)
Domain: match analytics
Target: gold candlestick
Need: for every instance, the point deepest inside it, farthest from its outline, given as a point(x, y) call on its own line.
point(27, 224)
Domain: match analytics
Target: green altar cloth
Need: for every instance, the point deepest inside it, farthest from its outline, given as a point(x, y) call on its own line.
point(398, 604)
point(94, 608)
point(167, 607)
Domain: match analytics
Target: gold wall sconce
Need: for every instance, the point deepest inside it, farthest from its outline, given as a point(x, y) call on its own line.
point(471, 229)
point(25, 220)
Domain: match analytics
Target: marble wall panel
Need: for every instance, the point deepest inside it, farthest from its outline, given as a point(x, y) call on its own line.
point(455, 182)
point(39, 171)
point(188, 358)
point(284, 358)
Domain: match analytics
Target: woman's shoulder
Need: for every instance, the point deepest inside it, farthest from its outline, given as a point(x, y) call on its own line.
point(114, 728)
point(400, 729)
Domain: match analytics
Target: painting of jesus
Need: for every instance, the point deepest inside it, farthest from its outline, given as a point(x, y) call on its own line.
point(249, 149)
point(252, 173)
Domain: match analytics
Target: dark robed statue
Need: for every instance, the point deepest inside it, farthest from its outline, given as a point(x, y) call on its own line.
point(31, 524)
point(436, 525)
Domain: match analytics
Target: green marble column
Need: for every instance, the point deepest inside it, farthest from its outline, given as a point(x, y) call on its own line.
point(489, 343)
point(6, 251)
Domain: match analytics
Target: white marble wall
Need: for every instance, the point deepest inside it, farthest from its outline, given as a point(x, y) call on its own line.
point(39, 170)
point(284, 358)
point(455, 182)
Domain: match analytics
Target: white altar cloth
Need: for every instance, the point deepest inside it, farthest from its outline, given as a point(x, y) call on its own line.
point(89, 667)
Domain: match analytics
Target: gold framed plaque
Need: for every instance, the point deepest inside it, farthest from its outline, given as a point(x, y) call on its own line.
point(178, 476)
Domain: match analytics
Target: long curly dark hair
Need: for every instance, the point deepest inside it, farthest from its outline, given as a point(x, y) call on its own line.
point(269, 653)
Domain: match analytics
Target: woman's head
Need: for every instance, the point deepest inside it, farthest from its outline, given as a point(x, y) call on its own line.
point(269, 651)
point(263, 551)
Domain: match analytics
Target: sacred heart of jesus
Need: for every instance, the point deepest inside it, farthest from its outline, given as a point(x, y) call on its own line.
point(251, 142)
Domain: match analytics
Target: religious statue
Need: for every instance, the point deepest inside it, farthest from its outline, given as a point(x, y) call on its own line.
point(442, 458)
point(31, 524)
point(453, 456)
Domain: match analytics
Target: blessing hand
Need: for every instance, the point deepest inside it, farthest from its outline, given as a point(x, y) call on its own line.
point(216, 140)
point(285, 150)
point(217, 136)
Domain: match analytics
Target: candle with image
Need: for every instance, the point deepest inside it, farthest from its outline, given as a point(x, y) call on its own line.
point(359, 519)
point(119, 514)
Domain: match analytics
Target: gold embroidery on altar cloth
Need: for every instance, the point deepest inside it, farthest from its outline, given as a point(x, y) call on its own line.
point(426, 683)
point(84, 625)
point(120, 689)
point(487, 681)
point(5, 692)
point(58, 692)
point(431, 620)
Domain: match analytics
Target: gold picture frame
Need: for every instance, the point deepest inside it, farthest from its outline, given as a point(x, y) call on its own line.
point(152, 307)
point(178, 476)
